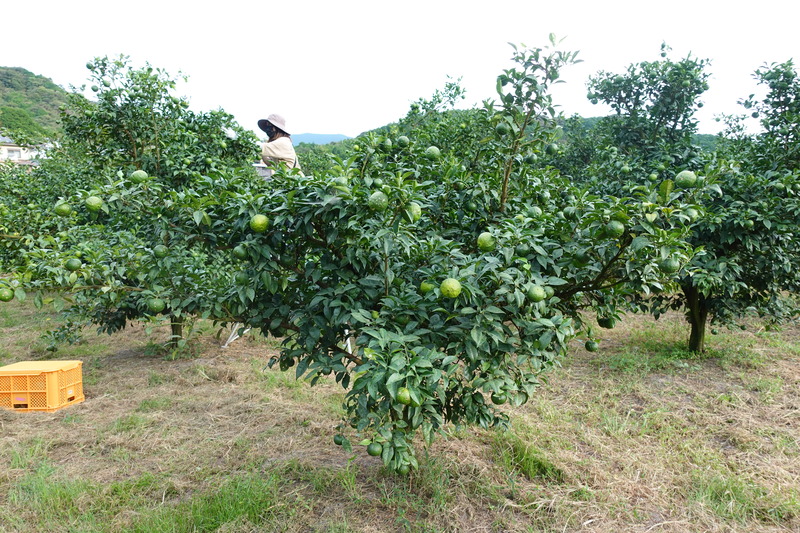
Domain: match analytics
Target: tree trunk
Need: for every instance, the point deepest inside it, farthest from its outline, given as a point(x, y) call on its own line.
point(176, 327)
point(696, 315)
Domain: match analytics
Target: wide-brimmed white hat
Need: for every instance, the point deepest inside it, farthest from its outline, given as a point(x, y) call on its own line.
point(276, 120)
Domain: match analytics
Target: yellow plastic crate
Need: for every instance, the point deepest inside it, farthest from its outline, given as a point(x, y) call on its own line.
point(41, 385)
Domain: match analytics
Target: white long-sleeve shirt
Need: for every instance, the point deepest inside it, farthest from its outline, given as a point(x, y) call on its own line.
point(280, 149)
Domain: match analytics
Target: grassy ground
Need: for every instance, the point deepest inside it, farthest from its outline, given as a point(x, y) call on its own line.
point(637, 437)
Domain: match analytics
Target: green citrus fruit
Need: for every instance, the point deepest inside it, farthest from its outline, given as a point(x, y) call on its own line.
point(416, 211)
point(63, 209)
point(499, 398)
point(241, 278)
point(6, 294)
point(502, 129)
point(404, 396)
point(692, 214)
point(536, 293)
point(374, 449)
point(685, 179)
point(471, 206)
point(426, 286)
point(432, 152)
point(73, 264)
point(138, 176)
point(582, 258)
point(338, 440)
point(378, 201)
point(240, 252)
point(450, 288)
point(160, 251)
point(669, 265)
point(535, 211)
point(403, 141)
point(552, 149)
point(749, 224)
point(549, 291)
point(259, 223)
point(531, 159)
point(592, 346)
point(403, 470)
point(486, 242)
point(94, 204)
point(605, 322)
point(615, 228)
point(156, 305)
point(522, 249)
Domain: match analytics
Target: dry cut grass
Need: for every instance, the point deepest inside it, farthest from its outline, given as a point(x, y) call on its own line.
point(639, 437)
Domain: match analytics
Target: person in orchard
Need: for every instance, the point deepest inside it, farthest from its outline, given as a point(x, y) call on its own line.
point(278, 148)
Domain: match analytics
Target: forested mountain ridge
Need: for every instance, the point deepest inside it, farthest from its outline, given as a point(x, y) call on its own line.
point(29, 104)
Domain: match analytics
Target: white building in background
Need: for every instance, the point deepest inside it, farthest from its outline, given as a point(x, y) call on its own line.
point(11, 151)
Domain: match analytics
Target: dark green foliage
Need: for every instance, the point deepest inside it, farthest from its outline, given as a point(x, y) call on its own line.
point(746, 225)
point(334, 270)
point(777, 146)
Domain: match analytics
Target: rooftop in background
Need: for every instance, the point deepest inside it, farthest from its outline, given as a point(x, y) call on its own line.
point(11, 151)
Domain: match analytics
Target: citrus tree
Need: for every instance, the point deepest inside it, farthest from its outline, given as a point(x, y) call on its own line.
point(741, 215)
point(432, 283)
point(777, 146)
point(105, 244)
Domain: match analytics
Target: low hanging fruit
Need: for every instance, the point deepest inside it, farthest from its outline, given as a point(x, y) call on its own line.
point(404, 396)
point(378, 201)
point(415, 210)
point(94, 204)
point(432, 152)
point(450, 288)
point(685, 179)
point(160, 251)
point(138, 176)
point(156, 305)
point(259, 223)
point(536, 293)
point(73, 264)
point(486, 242)
point(614, 228)
point(240, 252)
point(63, 209)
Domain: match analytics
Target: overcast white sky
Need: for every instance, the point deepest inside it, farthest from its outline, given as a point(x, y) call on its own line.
point(350, 66)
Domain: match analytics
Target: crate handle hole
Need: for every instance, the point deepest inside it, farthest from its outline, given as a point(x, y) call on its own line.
point(71, 399)
point(20, 406)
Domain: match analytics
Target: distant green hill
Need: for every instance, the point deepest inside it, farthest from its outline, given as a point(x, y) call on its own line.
point(29, 104)
point(317, 138)
point(705, 141)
